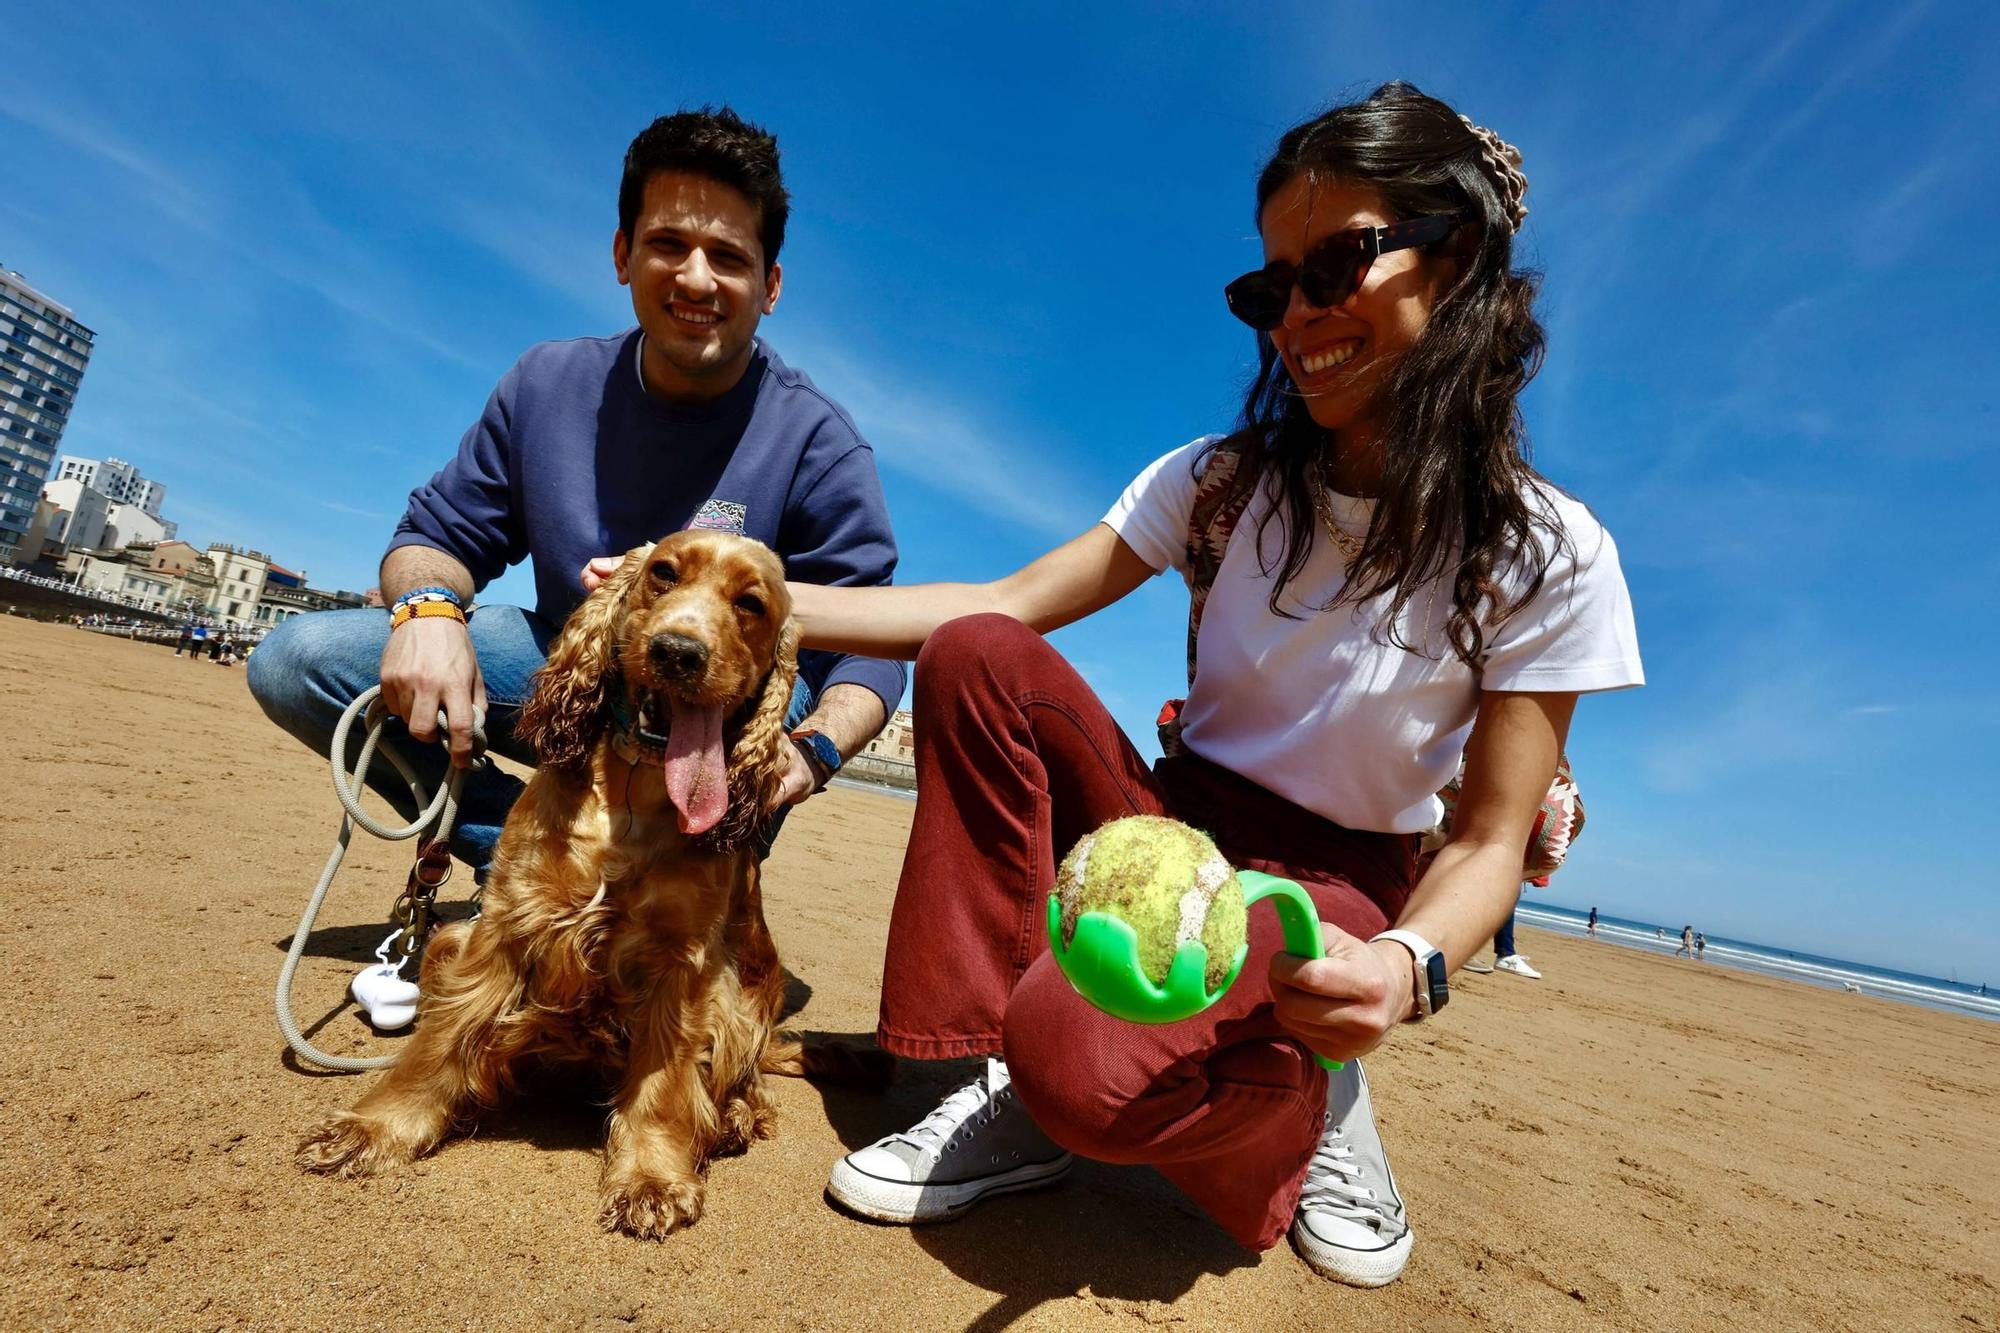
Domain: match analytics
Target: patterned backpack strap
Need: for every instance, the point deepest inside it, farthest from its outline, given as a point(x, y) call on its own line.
point(1211, 519)
point(1557, 824)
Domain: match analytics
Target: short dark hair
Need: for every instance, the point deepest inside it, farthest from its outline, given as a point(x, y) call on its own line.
point(717, 143)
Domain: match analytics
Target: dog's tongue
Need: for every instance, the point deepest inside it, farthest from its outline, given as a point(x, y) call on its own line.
point(696, 782)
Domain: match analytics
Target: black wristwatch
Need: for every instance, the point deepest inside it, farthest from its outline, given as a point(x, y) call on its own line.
point(1432, 990)
point(822, 756)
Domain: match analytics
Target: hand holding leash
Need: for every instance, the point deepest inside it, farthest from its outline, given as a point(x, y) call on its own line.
point(429, 669)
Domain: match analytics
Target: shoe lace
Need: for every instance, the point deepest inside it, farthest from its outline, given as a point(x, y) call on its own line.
point(979, 1093)
point(1333, 1183)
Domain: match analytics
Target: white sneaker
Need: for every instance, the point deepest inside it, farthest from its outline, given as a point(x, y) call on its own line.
point(1518, 965)
point(1351, 1225)
point(1479, 965)
point(979, 1141)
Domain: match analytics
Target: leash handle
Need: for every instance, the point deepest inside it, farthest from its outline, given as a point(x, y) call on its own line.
point(347, 786)
point(437, 813)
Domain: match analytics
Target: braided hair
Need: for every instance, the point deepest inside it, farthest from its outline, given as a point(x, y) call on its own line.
point(1459, 503)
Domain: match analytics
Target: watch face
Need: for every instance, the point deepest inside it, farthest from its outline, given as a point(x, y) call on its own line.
point(822, 747)
point(1434, 973)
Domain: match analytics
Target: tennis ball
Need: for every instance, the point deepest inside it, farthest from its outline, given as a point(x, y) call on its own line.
point(1165, 880)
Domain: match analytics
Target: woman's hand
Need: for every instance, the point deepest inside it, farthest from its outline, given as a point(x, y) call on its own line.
point(599, 568)
point(1342, 1005)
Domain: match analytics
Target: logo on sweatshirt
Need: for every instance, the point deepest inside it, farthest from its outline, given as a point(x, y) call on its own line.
point(721, 516)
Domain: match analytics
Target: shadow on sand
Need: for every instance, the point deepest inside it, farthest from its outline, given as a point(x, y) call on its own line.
point(1108, 1233)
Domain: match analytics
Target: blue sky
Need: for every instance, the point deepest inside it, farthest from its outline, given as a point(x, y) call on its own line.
point(310, 241)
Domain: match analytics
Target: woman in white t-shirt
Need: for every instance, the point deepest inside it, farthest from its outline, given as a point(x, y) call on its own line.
point(1397, 589)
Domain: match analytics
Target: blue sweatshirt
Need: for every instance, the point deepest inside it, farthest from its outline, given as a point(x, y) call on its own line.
point(573, 459)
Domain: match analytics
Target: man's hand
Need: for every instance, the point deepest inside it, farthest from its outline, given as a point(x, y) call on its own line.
point(599, 569)
point(1342, 1005)
point(799, 781)
point(429, 665)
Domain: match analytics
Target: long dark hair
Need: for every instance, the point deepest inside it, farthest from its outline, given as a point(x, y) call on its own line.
point(1458, 496)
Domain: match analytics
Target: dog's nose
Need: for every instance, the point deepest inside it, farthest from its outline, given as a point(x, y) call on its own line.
point(677, 657)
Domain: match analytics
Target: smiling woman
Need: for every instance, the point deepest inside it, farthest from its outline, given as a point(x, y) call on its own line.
point(1379, 585)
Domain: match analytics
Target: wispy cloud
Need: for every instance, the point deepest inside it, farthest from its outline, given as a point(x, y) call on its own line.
point(175, 196)
point(938, 442)
point(1829, 83)
point(1885, 234)
point(339, 508)
point(357, 282)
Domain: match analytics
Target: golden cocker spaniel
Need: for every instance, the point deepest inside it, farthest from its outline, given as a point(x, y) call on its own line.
point(622, 924)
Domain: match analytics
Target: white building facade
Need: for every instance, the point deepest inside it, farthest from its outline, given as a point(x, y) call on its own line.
point(115, 478)
point(85, 512)
point(43, 352)
point(239, 582)
point(128, 523)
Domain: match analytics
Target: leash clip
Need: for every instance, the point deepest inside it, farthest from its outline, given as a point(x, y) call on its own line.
point(414, 910)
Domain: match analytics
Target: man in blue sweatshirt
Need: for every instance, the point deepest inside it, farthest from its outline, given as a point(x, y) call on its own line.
point(592, 446)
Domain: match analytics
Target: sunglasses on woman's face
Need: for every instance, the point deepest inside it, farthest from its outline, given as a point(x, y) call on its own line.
point(1331, 273)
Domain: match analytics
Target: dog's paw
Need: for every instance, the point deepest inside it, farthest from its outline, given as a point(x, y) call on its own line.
point(347, 1145)
point(744, 1122)
point(650, 1209)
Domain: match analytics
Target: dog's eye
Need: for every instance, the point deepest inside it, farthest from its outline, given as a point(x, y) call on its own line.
point(664, 572)
point(750, 604)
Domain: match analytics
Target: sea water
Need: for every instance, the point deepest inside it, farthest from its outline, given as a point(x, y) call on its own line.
point(1832, 973)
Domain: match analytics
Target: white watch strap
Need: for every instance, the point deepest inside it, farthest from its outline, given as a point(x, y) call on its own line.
point(1420, 948)
point(1421, 952)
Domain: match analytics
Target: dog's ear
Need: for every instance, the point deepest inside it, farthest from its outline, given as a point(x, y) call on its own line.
point(758, 760)
point(565, 711)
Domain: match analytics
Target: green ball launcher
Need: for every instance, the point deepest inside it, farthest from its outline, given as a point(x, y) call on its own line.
point(1102, 958)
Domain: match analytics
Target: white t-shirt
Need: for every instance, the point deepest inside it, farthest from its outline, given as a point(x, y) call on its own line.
point(1324, 710)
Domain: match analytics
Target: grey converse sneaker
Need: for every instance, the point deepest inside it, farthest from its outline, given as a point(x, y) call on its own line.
point(1350, 1225)
point(978, 1142)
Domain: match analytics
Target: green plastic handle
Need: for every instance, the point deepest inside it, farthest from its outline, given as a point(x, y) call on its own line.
point(1102, 960)
point(1297, 917)
point(1102, 963)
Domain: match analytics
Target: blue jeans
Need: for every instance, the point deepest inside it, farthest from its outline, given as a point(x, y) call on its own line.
point(1503, 938)
point(309, 669)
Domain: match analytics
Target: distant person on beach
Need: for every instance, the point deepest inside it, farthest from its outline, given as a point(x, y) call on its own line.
point(187, 637)
point(1700, 945)
point(1687, 943)
point(196, 642)
point(1591, 925)
point(1377, 478)
point(688, 420)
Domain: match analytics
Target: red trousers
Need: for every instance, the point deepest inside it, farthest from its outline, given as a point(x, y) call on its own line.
point(1016, 760)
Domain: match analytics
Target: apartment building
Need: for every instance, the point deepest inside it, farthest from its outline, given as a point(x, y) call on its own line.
point(117, 479)
point(43, 352)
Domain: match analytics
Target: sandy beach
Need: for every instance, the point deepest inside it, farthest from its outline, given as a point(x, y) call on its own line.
point(1634, 1142)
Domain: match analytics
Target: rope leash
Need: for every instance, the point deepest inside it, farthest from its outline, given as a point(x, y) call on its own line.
point(433, 866)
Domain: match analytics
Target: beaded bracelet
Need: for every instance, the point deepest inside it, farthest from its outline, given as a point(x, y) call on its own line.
point(433, 593)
